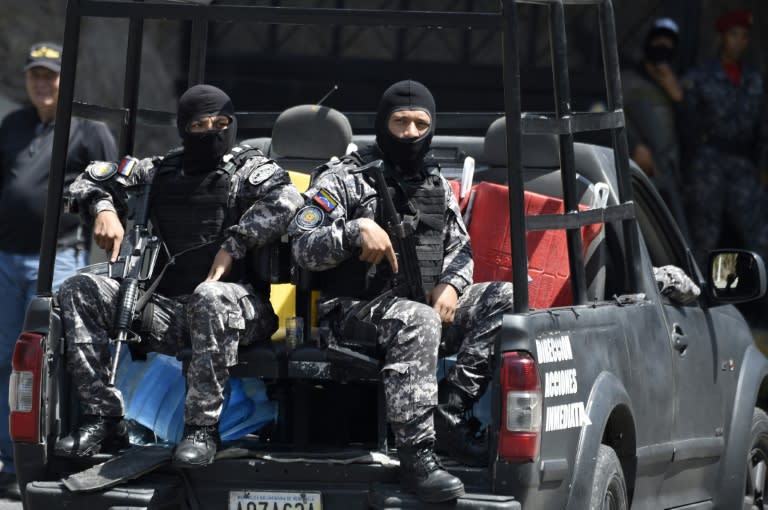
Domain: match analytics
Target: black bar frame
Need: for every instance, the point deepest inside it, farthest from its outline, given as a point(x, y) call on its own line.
point(564, 122)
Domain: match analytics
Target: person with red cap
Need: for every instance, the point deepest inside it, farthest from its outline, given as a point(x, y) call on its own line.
point(726, 130)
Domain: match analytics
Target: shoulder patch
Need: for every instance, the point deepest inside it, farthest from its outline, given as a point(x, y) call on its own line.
point(101, 170)
point(261, 173)
point(309, 217)
point(326, 200)
point(126, 166)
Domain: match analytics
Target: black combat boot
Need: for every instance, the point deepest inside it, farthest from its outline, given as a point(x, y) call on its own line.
point(96, 434)
point(197, 447)
point(422, 474)
point(457, 436)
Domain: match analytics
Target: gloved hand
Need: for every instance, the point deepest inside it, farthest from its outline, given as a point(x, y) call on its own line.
point(675, 284)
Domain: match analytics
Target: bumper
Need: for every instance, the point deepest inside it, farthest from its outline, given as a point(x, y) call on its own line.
point(385, 500)
point(343, 485)
point(45, 495)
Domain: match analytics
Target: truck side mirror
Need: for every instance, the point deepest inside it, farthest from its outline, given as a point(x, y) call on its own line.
point(736, 276)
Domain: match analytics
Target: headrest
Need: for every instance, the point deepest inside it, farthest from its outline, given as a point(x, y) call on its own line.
point(310, 131)
point(539, 151)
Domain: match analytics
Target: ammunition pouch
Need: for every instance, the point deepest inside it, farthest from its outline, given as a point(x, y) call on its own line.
point(360, 333)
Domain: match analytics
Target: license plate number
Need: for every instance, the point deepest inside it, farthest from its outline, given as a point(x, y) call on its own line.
point(274, 500)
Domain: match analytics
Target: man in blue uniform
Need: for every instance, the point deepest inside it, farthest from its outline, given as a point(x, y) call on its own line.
point(26, 142)
point(724, 123)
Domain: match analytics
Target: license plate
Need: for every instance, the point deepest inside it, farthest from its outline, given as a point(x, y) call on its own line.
point(274, 500)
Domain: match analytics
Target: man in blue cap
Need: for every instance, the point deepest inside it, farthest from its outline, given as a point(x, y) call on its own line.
point(26, 142)
point(652, 98)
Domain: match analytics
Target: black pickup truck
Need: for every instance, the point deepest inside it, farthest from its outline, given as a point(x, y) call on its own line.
point(605, 395)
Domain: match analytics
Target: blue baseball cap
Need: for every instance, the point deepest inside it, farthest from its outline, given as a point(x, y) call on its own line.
point(44, 54)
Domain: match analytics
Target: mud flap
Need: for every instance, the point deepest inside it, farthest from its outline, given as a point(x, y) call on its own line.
point(136, 461)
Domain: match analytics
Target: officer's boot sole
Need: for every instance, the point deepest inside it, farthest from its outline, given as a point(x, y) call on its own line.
point(109, 445)
point(182, 463)
point(440, 496)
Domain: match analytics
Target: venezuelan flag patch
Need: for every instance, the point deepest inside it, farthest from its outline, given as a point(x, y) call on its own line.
point(324, 199)
point(126, 166)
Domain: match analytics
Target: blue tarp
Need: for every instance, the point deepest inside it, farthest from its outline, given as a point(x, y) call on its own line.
point(153, 392)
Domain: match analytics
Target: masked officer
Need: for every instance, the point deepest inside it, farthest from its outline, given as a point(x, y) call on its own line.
point(211, 203)
point(339, 232)
point(652, 98)
point(728, 143)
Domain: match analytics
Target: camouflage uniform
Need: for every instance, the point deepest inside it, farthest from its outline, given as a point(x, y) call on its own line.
point(725, 126)
point(409, 332)
point(213, 320)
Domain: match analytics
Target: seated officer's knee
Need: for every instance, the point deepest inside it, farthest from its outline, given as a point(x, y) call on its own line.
point(207, 294)
point(77, 285)
point(423, 315)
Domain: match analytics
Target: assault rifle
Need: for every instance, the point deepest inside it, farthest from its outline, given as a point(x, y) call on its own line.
point(408, 281)
point(135, 264)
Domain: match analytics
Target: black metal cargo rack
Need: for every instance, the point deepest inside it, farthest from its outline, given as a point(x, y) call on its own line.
point(563, 122)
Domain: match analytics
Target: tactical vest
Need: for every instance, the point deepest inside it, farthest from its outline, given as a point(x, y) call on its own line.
point(190, 214)
point(421, 204)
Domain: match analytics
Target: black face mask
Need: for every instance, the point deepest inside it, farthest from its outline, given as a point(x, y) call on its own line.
point(659, 54)
point(202, 151)
point(406, 153)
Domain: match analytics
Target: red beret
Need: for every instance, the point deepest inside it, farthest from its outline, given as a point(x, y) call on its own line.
point(736, 18)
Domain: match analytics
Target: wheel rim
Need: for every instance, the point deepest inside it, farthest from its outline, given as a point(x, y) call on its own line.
point(757, 468)
point(609, 502)
point(612, 498)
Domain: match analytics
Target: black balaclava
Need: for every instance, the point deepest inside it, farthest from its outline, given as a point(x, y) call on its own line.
point(407, 153)
point(660, 54)
point(202, 151)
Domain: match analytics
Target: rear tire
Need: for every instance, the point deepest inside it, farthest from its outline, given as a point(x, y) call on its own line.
point(609, 489)
point(757, 462)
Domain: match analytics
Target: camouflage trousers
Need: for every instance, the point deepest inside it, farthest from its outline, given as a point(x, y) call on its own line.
point(213, 321)
point(410, 334)
point(478, 319)
point(725, 193)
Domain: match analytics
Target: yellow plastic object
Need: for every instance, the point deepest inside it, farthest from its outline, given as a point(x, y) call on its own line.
point(283, 295)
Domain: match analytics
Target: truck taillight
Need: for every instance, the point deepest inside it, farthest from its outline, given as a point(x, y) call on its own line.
point(521, 408)
point(24, 388)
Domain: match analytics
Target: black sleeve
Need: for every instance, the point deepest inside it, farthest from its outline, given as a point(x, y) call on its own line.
point(4, 134)
point(101, 144)
point(89, 141)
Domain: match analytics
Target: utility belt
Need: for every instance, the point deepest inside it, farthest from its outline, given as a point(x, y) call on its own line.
point(76, 244)
point(79, 239)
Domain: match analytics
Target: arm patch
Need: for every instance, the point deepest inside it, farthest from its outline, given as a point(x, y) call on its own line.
point(309, 217)
point(261, 173)
point(101, 170)
point(326, 200)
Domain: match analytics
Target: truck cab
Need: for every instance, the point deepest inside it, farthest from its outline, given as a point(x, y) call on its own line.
point(606, 393)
